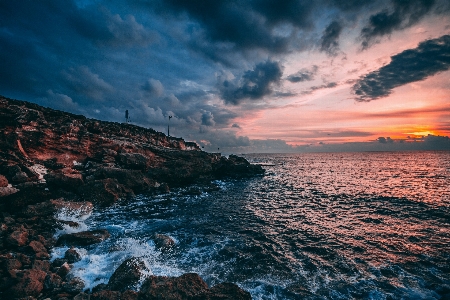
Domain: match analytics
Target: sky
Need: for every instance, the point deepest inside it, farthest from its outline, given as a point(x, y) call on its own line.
point(240, 76)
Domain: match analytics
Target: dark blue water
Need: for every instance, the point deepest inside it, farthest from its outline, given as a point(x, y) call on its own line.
point(316, 226)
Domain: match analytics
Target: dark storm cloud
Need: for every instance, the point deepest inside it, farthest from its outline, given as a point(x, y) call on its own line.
point(247, 24)
point(303, 75)
point(429, 58)
point(404, 14)
point(329, 42)
point(254, 84)
point(82, 80)
point(208, 119)
point(153, 87)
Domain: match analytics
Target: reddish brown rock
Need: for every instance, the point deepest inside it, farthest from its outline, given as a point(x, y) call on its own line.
point(43, 265)
point(187, 286)
point(18, 238)
point(3, 181)
point(37, 247)
point(31, 284)
point(11, 265)
point(128, 275)
point(83, 238)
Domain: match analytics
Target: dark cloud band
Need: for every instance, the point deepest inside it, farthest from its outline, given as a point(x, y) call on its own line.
point(429, 58)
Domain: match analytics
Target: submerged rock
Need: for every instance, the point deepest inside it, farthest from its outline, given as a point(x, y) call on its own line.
point(72, 255)
point(163, 242)
point(128, 275)
point(83, 238)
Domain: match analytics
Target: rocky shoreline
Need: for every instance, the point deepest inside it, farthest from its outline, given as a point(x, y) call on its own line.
point(52, 161)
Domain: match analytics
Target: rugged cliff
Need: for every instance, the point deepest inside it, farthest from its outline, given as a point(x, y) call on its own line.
point(52, 160)
point(87, 157)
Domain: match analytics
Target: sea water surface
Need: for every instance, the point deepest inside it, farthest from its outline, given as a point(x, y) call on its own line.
point(373, 225)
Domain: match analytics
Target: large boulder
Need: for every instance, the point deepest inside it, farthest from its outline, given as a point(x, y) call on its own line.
point(83, 238)
point(128, 275)
point(30, 284)
point(187, 286)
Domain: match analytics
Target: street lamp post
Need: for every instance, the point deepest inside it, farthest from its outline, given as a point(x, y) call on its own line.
point(168, 126)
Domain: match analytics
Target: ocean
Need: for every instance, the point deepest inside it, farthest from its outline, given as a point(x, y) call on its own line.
point(370, 225)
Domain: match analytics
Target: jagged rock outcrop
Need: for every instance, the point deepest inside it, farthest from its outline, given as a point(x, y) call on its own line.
point(96, 160)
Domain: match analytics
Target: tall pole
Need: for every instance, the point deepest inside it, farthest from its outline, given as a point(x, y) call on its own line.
point(168, 128)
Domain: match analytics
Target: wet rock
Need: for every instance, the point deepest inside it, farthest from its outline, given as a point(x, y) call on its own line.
point(98, 288)
point(227, 291)
point(3, 181)
point(6, 191)
point(106, 295)
point(31, 284)
point(43, 265)
point(103, 192)
point(58, 262)
point(187, 286)
point(163, 242)
point(18, 238)
point(83, 238)
point(63, 270)
point(128, 274)
point(72, 255)
point(75, 285)
point(52, 281)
